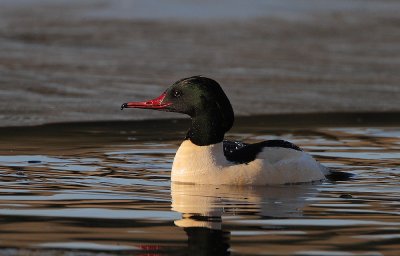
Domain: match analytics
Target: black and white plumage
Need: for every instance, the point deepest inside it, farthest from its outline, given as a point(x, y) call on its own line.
point(205, 158)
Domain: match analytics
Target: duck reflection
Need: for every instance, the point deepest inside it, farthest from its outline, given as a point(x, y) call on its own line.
point(204, 206)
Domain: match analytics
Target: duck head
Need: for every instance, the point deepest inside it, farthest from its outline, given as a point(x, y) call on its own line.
point(203, 100)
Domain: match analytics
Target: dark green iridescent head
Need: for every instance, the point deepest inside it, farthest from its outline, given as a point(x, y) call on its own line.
point(203, 100)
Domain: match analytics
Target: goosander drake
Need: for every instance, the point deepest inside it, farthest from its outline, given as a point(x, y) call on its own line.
point(205, 158)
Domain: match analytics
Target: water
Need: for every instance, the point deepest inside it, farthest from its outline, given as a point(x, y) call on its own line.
point(103, 188)
point(80, 60)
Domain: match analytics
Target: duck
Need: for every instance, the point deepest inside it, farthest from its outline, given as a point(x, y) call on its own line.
point(205, 157)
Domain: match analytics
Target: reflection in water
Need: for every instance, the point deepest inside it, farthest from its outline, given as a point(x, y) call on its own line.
point(206, 241)
point(105, 189)
point(214, 201)
point(203, 207)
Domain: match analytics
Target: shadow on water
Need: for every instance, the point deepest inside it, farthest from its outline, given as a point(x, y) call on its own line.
point(89, 188)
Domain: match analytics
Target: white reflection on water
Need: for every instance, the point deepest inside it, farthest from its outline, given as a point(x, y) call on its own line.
point(99, 213)
point(87, 246)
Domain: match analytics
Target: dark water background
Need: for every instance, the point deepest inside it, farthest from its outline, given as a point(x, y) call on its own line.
point(104, 188)
point(71, 60)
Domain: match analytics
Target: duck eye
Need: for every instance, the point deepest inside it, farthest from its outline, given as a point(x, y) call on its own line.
point(177, 94)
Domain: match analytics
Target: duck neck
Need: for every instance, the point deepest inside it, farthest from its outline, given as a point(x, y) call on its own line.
point(206, 130)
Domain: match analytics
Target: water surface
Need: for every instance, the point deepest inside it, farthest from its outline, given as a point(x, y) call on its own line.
point(92, 188)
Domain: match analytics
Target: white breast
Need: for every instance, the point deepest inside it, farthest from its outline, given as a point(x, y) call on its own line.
point(208, 165)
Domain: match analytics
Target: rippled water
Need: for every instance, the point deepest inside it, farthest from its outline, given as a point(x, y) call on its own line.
point(81, 189)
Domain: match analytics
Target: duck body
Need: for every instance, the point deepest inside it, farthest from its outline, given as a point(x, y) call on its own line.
point(205, 158)
point(272, 165)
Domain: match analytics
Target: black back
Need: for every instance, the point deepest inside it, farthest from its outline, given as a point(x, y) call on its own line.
point(241, 153)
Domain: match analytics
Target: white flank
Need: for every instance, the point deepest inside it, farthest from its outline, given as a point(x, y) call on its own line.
point(274, 165)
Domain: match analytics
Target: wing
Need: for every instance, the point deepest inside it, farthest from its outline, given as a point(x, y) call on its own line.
point(231, 146)
point(239, 152)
